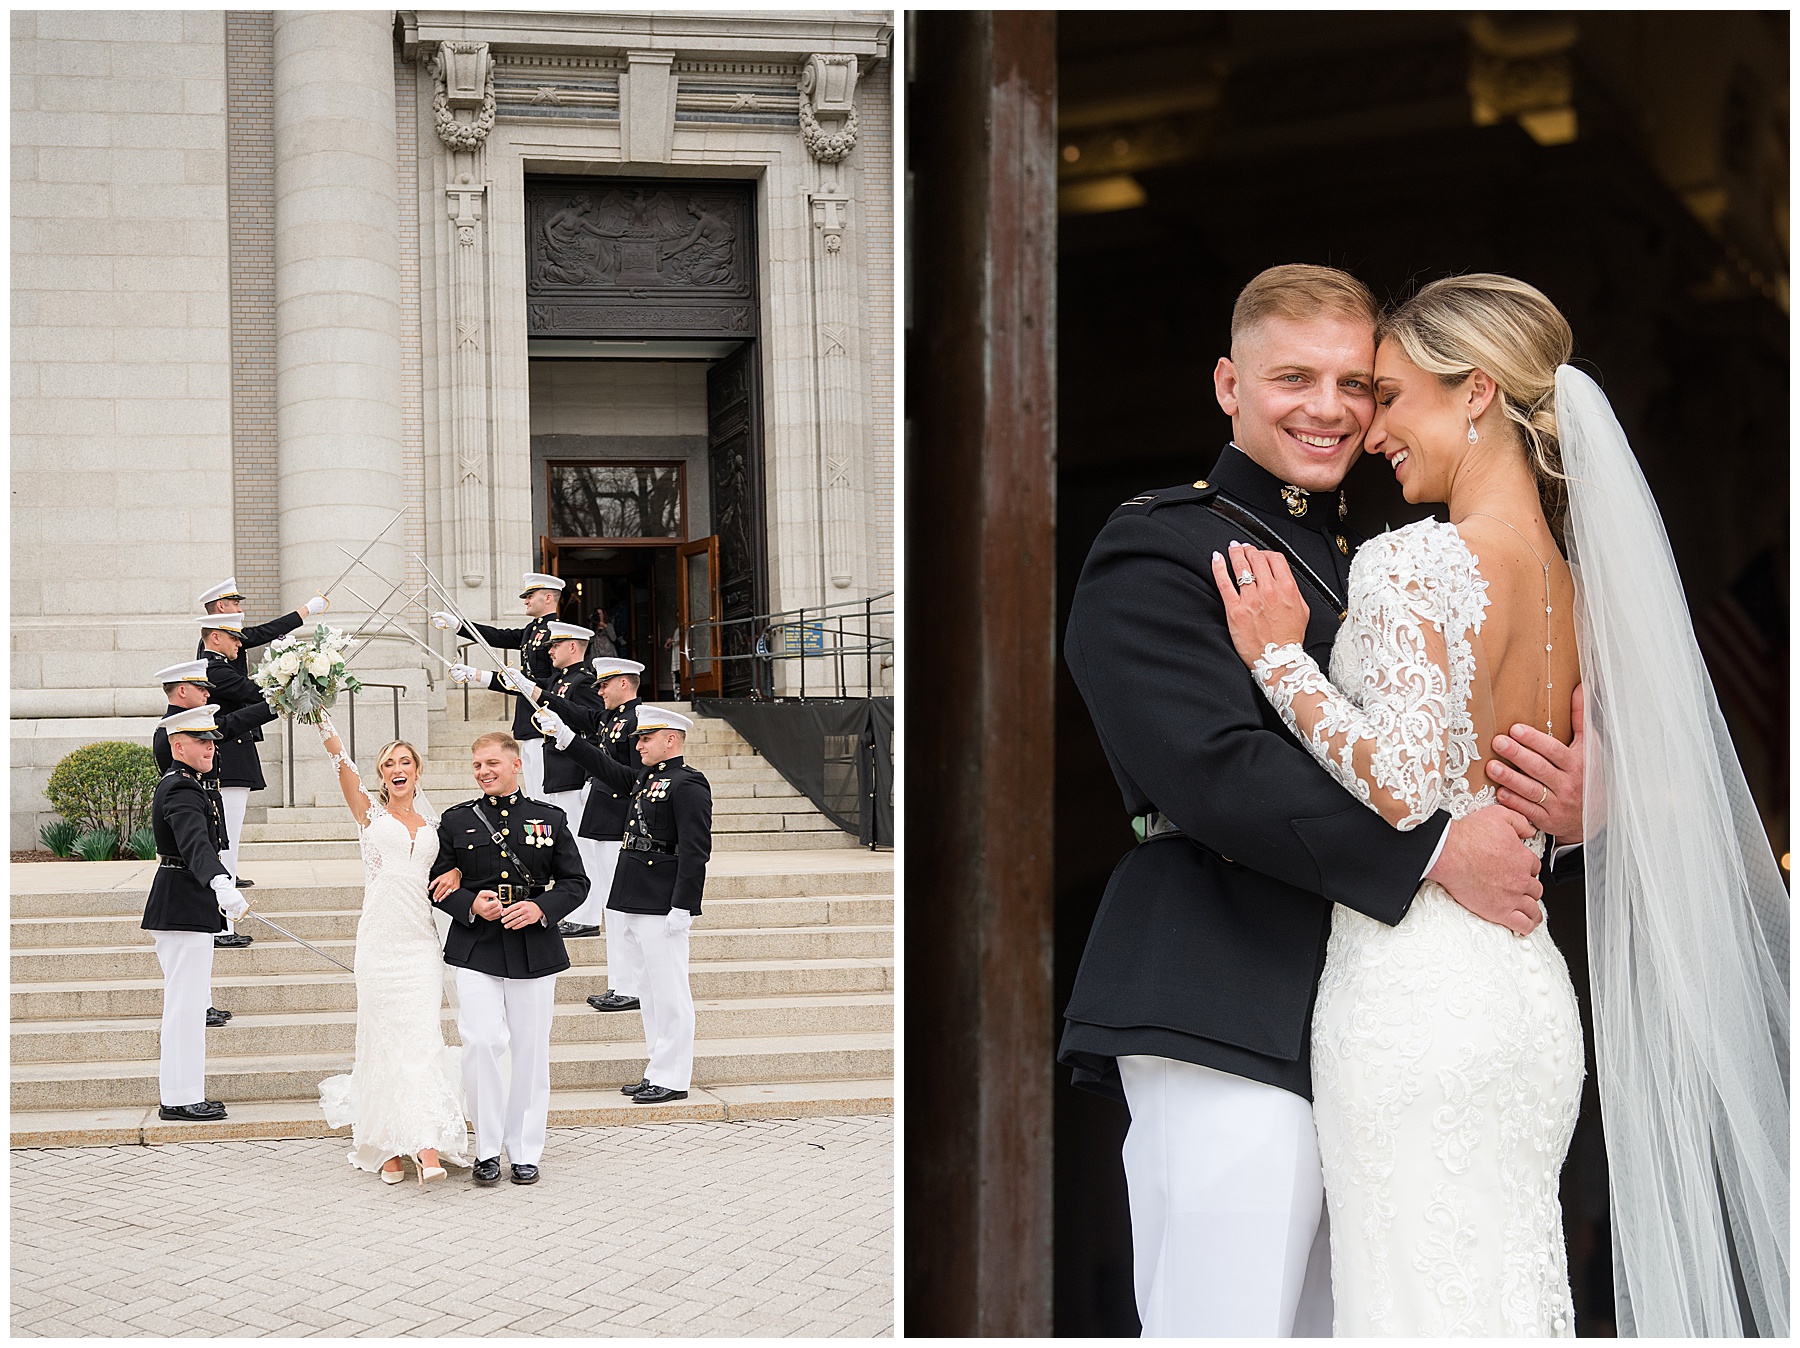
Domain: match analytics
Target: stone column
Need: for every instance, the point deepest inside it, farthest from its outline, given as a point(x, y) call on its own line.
point(827, 89)
point(463, 112)
point(337, 299)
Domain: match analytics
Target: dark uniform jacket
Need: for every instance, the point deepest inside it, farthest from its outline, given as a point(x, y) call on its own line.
point(260, 635)
point(542, 840)
point(574, 696)
point(532, 642)
point(609, 803)
point(236, 762)
point(190, 833)
point(231, 725)
point(1208, 943)
point(668, 835)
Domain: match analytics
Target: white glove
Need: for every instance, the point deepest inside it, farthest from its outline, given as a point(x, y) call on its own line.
point(517, 680)
point(314, 606)
point(555, 727)
point(469, 674)
point(679, 921)
point(231, 903)
point(444, 621)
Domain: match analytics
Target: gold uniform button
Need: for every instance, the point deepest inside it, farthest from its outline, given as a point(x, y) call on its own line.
point(504, 832)
point(505, 876)
point(1343, 547)
point(1201, 484)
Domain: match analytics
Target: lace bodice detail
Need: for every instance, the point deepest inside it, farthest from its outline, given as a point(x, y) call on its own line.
point(387, 842)
point(1392, 724)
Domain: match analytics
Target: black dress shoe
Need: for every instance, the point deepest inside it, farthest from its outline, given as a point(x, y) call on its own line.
point(215, 1011)
point(656, 1095)
point(576, 929)
point(613, 1001)
point(488, 1171)
point(643, 1085)
point(245, 884)
point(524, 1174)
point(216, 1017)
point(205, 1112)
point(230, 940)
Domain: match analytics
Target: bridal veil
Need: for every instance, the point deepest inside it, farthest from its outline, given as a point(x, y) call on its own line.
point(1687, 926)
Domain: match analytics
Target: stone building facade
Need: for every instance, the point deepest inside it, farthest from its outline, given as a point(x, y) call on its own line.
point(562, 290)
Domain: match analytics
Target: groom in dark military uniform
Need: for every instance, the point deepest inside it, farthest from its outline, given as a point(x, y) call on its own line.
point(1193, 1002)
point(517, 873)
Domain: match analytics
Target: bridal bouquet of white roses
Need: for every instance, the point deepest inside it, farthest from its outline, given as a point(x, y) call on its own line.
point(303, 674)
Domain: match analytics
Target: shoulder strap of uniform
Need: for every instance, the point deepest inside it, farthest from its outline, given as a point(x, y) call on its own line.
point(1226, 508)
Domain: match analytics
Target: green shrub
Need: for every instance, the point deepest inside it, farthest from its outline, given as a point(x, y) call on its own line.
point(142, 843)
point(105, 785)
point(98, 844)
point(58, 837)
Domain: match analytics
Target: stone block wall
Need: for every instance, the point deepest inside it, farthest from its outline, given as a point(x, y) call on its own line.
point(121, 414)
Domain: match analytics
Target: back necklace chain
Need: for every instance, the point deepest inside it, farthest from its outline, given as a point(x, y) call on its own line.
point(1549, 703)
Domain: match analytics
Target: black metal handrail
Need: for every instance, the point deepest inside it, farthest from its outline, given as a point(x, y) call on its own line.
point(350, 739)
point(771, 638)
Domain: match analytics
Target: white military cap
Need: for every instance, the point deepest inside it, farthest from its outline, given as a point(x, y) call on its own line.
point(188, 671)
point(227, 590)
point(196, 721)
point(536, 581)
point(570, 632)
point(660, 718)
point(608, 665)
point(230, 622)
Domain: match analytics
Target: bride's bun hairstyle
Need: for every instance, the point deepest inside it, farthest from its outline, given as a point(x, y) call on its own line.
point(387, 752)
point(1513, 334)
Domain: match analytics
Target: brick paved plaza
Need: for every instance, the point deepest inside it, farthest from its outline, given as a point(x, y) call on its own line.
point(751, 1228)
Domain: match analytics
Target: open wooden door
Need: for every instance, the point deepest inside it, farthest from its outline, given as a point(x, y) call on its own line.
point(697, 601)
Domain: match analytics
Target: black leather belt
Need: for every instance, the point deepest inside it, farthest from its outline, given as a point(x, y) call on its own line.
point(636, 843)
point(171, 863)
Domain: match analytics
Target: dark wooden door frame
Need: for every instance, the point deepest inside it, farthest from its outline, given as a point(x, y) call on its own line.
point(979, 647)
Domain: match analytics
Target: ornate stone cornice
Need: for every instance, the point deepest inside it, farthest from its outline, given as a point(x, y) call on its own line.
point(747, 38)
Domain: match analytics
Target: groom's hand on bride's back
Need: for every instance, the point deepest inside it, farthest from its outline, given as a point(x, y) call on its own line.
point(1487, 868)
point(1541, 777)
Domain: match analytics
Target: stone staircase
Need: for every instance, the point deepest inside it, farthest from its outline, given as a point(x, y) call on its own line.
point(792, 971)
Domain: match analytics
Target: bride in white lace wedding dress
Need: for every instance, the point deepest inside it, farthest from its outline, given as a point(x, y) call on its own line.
point(403, 1096)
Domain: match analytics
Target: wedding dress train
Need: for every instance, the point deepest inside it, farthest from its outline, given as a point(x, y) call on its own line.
point(404, 1093)
point(1447, 1054)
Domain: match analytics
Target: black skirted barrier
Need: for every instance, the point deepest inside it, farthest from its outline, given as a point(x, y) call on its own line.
point(838, 751)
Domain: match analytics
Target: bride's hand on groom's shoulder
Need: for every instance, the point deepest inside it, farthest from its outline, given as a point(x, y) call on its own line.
point(1541, 777)
point(1262, 602)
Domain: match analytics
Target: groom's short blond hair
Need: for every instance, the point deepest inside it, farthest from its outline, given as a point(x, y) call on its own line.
point(1300, 290)
point(505, 742)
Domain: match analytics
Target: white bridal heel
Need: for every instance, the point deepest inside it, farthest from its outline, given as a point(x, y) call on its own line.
point(393, 1176)
point(429, 1173)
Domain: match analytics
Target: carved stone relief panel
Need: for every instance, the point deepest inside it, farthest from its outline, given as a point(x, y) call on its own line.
point(615, 257)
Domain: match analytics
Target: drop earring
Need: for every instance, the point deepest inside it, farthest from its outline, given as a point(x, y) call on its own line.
point(1474, 439)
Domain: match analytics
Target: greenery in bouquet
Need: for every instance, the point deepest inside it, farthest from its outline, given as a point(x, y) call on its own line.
point(303, 673)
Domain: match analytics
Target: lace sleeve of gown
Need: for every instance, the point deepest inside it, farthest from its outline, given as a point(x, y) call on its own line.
point(1407, 730)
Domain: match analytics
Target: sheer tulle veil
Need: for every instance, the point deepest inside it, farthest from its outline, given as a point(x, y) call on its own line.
point(1687, 926)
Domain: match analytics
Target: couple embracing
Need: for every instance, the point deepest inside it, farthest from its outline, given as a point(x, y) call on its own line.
point(1351, 1050)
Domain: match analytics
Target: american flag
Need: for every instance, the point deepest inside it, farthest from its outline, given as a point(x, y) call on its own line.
point(1744, 639)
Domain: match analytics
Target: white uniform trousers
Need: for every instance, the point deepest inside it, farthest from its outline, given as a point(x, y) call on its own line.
point(495, 1016)
point(187, 959)
point(667, 1002)
point(573, 804)
point(1228, 1224)
point(235, 800)
point(531, 780)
